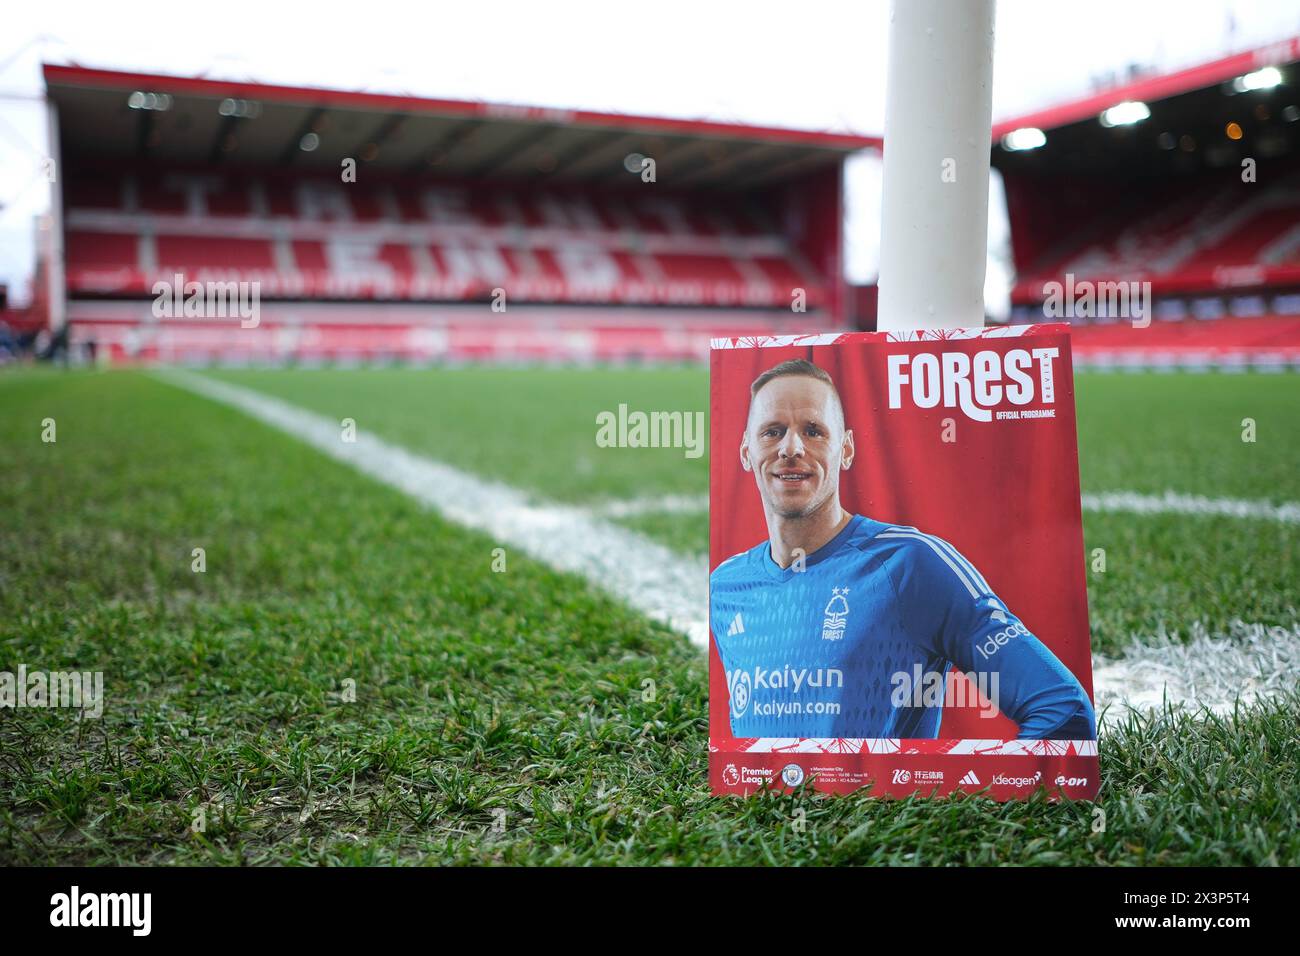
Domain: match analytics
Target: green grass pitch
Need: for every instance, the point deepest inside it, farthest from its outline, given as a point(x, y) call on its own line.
point(499, 718)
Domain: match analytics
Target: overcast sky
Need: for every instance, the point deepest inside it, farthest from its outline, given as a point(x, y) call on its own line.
point(806, 64)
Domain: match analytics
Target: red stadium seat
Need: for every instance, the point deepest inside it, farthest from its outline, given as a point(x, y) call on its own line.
point(416, 241)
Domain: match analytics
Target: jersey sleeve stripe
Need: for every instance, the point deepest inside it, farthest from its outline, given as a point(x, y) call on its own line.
point(972, 571)
point(970, 568)
point(918, 536)
point(728, 561)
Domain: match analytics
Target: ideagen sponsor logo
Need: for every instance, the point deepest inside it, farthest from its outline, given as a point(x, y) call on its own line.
point(998, 639)
point(1001, 779)
point(973, 384)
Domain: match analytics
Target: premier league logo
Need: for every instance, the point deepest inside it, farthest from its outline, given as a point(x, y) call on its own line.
point(837, 609)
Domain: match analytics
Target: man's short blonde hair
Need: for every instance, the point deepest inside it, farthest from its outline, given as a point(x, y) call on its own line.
point(797, 367)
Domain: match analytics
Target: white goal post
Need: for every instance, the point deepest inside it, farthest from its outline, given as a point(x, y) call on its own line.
point(938, 122)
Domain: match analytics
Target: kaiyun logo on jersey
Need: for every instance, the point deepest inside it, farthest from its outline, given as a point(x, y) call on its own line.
point(738, 688)
point(741, 685)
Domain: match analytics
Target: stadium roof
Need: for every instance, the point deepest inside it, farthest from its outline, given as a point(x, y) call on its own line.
point(1190, 112)
point(199, 121)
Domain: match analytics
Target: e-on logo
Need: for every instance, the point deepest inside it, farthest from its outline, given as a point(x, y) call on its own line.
point(792, 775)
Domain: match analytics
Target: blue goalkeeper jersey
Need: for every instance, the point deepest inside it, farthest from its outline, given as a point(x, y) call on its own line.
point(859, 643)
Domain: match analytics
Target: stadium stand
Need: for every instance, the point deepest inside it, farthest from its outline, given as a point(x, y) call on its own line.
point(1198, 197)
point(408, 240)
point(457, 206)
point(1270, 343)
point(471, 231)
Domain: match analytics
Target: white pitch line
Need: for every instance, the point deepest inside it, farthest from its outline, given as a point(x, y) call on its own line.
point(1172, 502)
point(652, 579)
point(1248, 662)
point(1131, 502)
point(657, 505)
point(1212, 670)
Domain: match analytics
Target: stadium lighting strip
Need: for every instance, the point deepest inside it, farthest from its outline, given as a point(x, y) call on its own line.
point(140, 100)
point(241, 109)
point(1129, 112)
point(1027, 137)
point(1124, 114)
point(1263, 79)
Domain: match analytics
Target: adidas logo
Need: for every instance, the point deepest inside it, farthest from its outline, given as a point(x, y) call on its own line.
point(737, 626)
point(970, 779)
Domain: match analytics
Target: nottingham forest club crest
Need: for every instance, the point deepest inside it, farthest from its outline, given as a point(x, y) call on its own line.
point(837, 609)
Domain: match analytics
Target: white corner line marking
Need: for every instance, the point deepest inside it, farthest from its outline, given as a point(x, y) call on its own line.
point(1211, 670)
point(665, 586)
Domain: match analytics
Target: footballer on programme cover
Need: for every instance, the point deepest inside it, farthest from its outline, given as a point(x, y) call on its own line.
point(897, 594)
